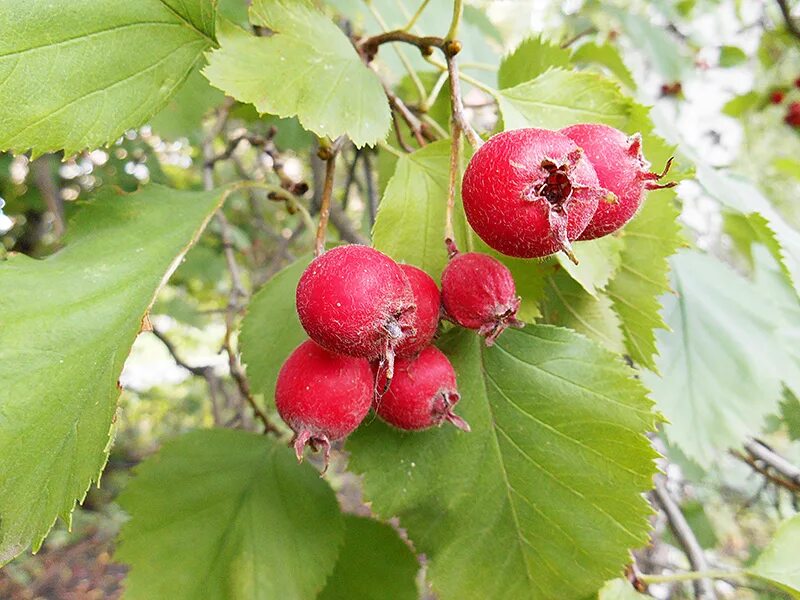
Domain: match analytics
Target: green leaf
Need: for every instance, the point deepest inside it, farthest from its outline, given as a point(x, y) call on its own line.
point(108, 67)
point(221, 514)
point(723, 361)
point(778, 562)
point(557, 459)
point(790, 413)
point(271, 328)
point(619, 589)
point(742, 195)
point(662, 49)
point(731, 56)
point(569, 305)
point(322, 79)
point(598, 261)
point(606, 56)
point(374, 564)
point(559, 98)
point(183, 116)
point(530, 59)
point(410, 222)
point(739, 105)
point(650, 238)
point(64, 335)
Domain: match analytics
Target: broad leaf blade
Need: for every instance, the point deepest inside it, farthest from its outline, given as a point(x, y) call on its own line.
point(221, 514)
point(635, 291)
point(71, 73)
point(530, 59)
point(322, 79)
point(271, 328)
point(374, 564)
point(778, 562)
point(559, 98)
point(557, 458)
point(723, 361)
point(410, 222)
point(598, 261)
point(65, 332)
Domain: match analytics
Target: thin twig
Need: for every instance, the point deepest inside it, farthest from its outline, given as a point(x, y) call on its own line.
point(426, 44)
point(325, 201)
point(791, 24)
point(41, 168)
point(789, 473)
point(414, 124)
point(458, 105)
point(704, 588)
point(372, 191)
point(569, 41)
point(768, 476)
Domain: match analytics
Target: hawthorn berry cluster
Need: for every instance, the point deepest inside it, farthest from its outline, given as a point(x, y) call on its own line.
point(371, 322)
point(792, 116)
point(532, 192)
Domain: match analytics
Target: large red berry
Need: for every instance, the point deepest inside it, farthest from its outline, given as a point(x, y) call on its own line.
point(621, 169)
point(423, 393)
point(478, 292)
point(322, 396)
point(357, 301)
point(793, 115)
point(428, 301)
point(530, 192)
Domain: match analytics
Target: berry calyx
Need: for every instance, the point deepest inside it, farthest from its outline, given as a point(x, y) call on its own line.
point(425, 322)
point(530, 192)
point(621, 168)
point(478, 292)
point(356, 301)
point(423, 393)
point(322, 396)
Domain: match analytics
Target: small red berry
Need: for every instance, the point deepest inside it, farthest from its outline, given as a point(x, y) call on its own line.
point(322, 396)
point(777, 96)
point(357, 301)
point(423, 393)
point(676, 88)
point(428, 301)
point(797, 82)
point(793, 115)
point(478, 292)
point(530, 192)
point(621, 169)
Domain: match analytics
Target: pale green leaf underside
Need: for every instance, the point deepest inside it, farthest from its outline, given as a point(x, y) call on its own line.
point(723, 361)
point(778, 562)
point(271, 329)
point(308, 69)
point(374, 564)
point(78, 74)
point(635, 291)
point(557, 460)
point(619, 589)
point(66, 327)
point(558, 98)
point(410, 222)
point(223, 514)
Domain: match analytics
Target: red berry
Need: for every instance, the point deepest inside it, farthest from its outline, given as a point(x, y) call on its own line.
point(478, 292)
point(793, 115)
point(423, 393)
point(428, 301)
point(621, 169)
point(530, 192)
point(322, 396)
point(357, 301)
point(797, 82)
point(777, 96)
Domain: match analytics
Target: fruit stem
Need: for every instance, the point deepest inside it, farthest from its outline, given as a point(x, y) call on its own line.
point(458, 10)
point(327, 192)
point(455, 154)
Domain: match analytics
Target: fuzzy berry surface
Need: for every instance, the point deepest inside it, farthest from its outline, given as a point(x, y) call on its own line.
point(322, 396)
point(428, 301)
point(621, 168)
point(422, 394)
point(357, 301)
point(530, 192)
point(478, 292)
